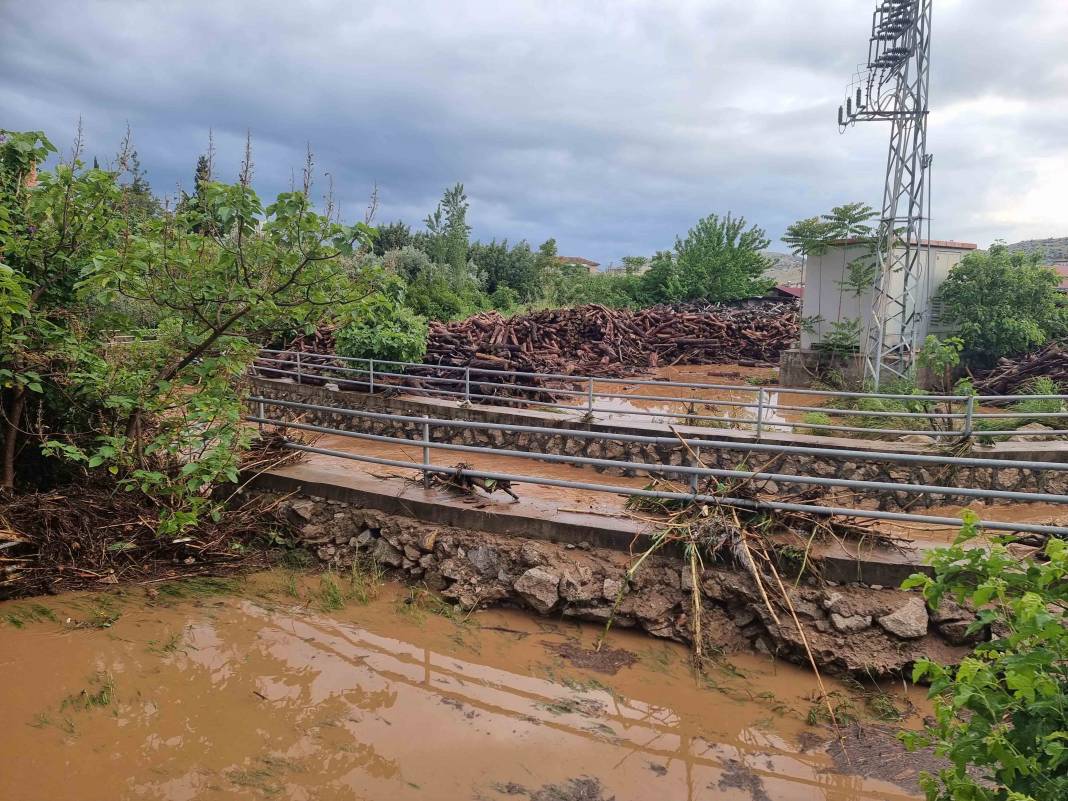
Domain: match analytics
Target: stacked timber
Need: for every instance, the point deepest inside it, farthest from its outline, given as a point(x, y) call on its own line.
point(596, 340)
point(582, 341)
point(1013, 376)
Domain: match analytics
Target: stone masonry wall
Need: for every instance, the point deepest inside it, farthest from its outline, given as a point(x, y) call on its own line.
point(850, 628)
point(826, 466)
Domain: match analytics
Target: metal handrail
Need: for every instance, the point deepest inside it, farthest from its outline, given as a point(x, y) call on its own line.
point(762, 406)
point(428, 468)
point(693, 442)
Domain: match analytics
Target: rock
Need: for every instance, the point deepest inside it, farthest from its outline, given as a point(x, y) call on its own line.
point(386, 554)
point(426, 561)
point(651, 606)
point(576, 585)
point(743, 617)
point(539, 588)
point(303, 509)
point(485, 560)
point(955, 632)
point(850, 623)
point(918, 439)
point(314, 534)
point(1036, 430)
point(363, 539)
point(908, 621)
point(949, 610)
point(530, 555)
point(413, 553)
point(611, 589)
point(833, 602)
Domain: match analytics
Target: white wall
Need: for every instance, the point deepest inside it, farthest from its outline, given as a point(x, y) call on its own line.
point(826, 298)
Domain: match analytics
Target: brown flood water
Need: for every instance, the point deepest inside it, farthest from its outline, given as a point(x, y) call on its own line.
point(260, 694)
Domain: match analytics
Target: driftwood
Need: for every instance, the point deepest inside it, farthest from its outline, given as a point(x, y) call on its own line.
point(1011, 376)
point(587, 340)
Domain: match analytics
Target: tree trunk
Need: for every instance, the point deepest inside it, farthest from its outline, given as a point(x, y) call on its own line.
point(11, 436)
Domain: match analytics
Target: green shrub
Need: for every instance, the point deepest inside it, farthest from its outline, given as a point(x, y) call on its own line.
point(1000, 715)
point(815, 419)
point(383, 328)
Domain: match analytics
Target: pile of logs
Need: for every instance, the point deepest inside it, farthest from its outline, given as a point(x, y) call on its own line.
point(587, 340)
point(596, 340)
point(1012, 376)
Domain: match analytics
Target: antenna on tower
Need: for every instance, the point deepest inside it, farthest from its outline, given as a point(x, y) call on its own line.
point(893, 88)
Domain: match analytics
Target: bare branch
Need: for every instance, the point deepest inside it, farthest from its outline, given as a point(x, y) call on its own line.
point(245, 178)
point(372, 205)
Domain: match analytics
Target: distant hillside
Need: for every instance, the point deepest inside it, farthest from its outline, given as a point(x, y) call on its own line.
point(787, 267)
point(1053, 250)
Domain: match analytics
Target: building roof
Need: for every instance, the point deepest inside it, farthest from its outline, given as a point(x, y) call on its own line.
point(948, 244)
point(792, 291)
point(1061, 268)
point(577, 260)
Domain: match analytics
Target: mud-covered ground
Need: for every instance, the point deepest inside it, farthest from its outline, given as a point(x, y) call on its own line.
point(336, 686)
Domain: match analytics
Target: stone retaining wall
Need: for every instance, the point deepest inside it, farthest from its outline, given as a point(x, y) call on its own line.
point(850, 628)
point(827, 466)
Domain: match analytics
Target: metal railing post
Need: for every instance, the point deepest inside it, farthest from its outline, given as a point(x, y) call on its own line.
point(371, 372)
point(969, 411)
point(298, 368)
point(760, 413)
point(697, 463)
point(589, 399)
point(426, 452)
point(262, 413)
point(467, 385)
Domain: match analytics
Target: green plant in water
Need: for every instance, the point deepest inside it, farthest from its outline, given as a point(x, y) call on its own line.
point(100, 694)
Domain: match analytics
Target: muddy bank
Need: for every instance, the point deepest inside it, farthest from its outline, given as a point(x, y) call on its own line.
point(325, 687)
point(851, 629)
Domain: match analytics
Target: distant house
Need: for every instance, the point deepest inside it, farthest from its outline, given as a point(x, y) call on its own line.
point(784, 292)
point(578, 262)
point(1061, 268)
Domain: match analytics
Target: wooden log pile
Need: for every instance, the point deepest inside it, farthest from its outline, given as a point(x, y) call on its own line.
point(586, 340)
point(1013, 376)
point(595, 340)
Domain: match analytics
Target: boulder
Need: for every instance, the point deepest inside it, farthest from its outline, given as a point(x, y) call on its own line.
point(485, 560)
point(956, 632)
point(386, 554)
point(850, 623)
point(908, 621)
point(918, 439)
point(577, 584)
point(539, 588)
point(611, 589)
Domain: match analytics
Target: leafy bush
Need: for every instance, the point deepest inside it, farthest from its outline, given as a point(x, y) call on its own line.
point(383, 328)
point(815, 419)
point(1001, 715)
point(1003, 304)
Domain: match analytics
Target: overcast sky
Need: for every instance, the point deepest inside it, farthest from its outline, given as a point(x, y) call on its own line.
point(611, 126)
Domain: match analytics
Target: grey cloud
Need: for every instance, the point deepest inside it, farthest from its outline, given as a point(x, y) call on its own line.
point(612, 126)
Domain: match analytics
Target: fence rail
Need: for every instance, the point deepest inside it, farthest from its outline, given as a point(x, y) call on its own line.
point(692, 471)
point(752, 408)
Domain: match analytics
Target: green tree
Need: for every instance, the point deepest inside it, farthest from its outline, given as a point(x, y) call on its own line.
point(137, 193)
point(1002, 304)
point(447, 231)
point(721, 260)
point(163, 414)
point(53, 225)
point(1001, 715)
point(517, 268)
point(393, 236)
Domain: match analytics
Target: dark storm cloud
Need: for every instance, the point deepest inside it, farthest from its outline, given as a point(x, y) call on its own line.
point(612, 126)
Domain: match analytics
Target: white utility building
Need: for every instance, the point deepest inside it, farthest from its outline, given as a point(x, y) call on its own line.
point(838, 298)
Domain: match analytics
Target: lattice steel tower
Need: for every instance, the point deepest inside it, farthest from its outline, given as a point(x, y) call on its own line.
point(893, 88)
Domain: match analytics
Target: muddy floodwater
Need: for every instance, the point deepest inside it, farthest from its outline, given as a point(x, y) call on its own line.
point(290, 687)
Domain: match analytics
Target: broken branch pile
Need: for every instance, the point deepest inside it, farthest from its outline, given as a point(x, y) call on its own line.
point(1012, 376)
point(586, 340)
